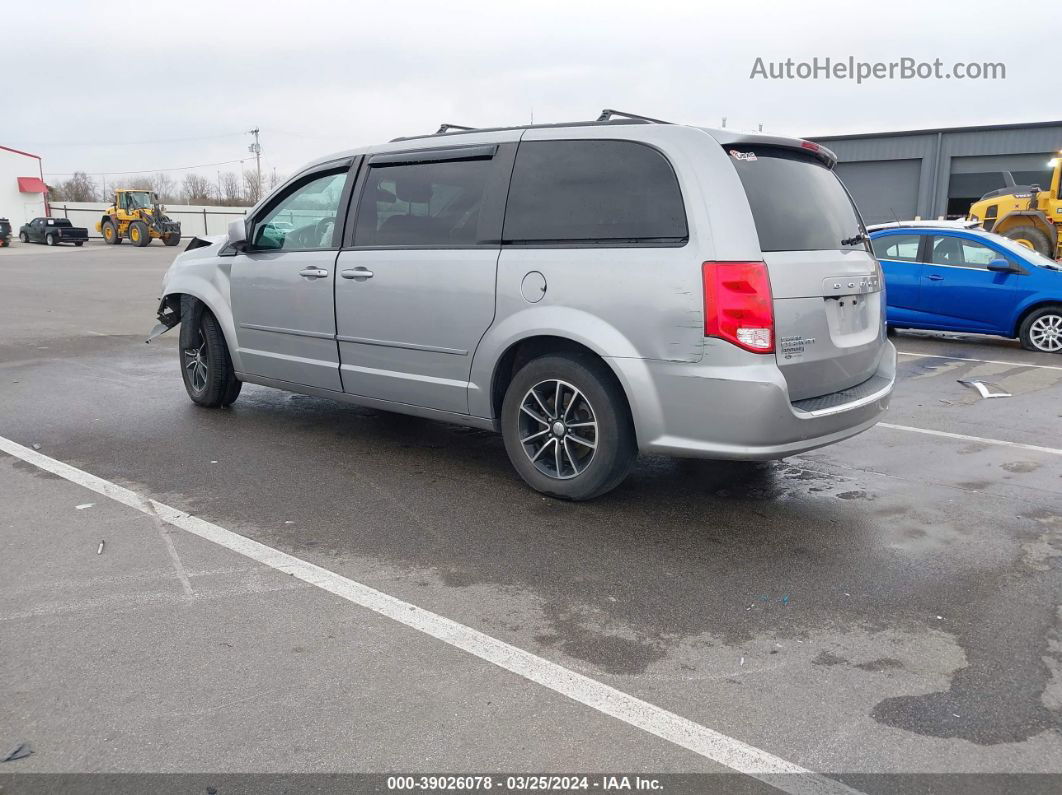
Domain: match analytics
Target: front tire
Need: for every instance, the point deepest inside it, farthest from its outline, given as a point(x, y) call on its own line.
point(139, 235)
point(1031, 237)
point(23, 237)
point(79, 243)
point(1041, 331)
point(172, 240)
point(567, 427)
point(206, 367)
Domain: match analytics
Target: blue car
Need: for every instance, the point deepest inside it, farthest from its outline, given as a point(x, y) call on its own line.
point(950, 278)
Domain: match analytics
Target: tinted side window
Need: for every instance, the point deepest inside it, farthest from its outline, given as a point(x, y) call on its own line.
point(897, 247)
point(963, 253)
point(423, 204)
point(593, 191)
point(304, 218)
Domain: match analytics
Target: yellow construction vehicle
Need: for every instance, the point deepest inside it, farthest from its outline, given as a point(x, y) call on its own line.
point(137, 215)
point(1026, 213)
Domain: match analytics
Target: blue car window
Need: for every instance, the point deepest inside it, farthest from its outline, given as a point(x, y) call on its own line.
point(897, 247)
point(961, 253)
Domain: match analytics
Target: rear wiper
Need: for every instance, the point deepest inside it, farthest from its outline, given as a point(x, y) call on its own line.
point(859, 237)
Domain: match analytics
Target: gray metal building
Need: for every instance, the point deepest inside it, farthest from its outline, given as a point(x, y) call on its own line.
point(940, 172)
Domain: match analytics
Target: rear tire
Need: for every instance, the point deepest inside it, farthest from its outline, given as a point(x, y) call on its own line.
point(139, 235)
point(79, 243)
point(1031, 237)
point(206, 367)
point(1041, 331)
point(110, 233)
point(50, 239)
point(580, 462)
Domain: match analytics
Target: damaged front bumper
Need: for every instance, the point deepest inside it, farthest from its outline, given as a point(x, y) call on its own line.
point(169, 315)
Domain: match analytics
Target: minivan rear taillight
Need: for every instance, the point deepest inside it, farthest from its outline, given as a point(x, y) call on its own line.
point(737, 304)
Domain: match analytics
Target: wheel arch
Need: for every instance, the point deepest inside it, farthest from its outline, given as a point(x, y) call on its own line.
point(1036, 218)
point(534, 346)
point(210, 299)
point(1038, 303)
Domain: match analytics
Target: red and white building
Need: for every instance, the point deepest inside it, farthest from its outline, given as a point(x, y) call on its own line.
point(23, 194)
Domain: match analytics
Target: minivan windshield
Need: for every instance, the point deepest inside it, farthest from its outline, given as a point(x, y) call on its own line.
point(797, 202)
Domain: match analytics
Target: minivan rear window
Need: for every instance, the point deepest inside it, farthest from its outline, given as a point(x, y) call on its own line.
point(797, 202)
point(593, 192)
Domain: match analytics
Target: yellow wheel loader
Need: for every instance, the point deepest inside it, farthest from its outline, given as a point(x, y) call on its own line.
point(1026, 214)
point(137, 215)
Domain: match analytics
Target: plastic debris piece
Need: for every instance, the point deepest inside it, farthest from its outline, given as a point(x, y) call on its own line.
point(785, 600)
point(84, 505)
point(213, 462)
point(36, 446)
point(20, 750)
point(742, 661)
point(99, 551)
point(986, 390)
point(940, 618)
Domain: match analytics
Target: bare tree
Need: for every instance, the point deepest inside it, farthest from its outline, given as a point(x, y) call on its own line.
point(196, 189)
point(79, 188)
point(253, 186)
point(231, 189)
point(137, 183)
point(275, 179)
point(164, 186)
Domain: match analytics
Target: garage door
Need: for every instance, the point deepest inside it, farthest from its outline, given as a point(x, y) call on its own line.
point(884, 190)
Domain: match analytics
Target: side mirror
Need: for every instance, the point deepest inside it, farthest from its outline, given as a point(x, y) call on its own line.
point(1000, 265)
point(238, 234)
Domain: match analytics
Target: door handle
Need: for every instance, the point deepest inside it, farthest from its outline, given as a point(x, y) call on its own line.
point(935, 277)
point(356, 273)
point(313, 272)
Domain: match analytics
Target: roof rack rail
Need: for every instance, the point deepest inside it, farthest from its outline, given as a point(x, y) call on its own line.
point(447, 127)
point(608, 113)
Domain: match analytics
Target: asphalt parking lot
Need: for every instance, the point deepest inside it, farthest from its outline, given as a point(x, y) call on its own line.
point(890, 604)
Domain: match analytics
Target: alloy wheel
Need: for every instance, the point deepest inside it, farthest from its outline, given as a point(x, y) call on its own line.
point(195, 364)
point(1046, 333)
point(558, 429)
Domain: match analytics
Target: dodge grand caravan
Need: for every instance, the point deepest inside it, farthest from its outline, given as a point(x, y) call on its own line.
point(590, 290)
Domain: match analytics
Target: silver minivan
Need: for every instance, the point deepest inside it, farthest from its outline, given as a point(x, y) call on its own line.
point(591, 290)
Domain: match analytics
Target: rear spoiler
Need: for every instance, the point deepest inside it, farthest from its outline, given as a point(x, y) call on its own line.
point(734, 138)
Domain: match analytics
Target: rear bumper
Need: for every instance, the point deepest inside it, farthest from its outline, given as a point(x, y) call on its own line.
point(740, 408)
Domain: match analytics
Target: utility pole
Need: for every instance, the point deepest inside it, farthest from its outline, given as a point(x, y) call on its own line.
point(256, 148)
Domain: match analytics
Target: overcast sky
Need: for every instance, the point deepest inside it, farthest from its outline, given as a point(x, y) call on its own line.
point(106, 87)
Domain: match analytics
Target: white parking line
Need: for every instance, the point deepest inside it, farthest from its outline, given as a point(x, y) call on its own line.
point(983, 361)
point(708, 743)
point(965, 438)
